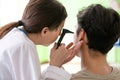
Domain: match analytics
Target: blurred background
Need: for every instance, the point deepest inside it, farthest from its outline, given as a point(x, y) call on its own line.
point(11, 10)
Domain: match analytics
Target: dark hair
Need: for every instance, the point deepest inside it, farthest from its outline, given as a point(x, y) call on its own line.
point(39, 14)
point(43, 13)
point(102, 26)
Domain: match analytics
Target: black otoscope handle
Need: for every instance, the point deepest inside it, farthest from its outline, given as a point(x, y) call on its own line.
point(60, 39)
point(62, 35)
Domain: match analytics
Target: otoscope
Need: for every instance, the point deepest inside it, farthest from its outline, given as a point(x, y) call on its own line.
point(62, 35)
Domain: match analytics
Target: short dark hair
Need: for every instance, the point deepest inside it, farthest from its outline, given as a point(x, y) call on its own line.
point(102, 26)
point(43, 13)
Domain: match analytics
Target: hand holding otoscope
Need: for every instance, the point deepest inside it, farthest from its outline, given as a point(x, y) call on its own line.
point(71, 51)
point(62, 35)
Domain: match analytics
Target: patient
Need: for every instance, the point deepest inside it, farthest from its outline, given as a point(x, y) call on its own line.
point(99, 29)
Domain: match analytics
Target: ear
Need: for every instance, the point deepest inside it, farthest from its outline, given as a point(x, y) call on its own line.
point(81, 35)
point(44, 31)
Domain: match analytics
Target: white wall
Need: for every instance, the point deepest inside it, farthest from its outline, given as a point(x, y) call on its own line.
point(11, 10)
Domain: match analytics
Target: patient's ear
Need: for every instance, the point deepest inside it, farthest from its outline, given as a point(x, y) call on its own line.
point(81, 35)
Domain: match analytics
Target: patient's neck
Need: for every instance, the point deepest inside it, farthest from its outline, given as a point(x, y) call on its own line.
point(95, 62)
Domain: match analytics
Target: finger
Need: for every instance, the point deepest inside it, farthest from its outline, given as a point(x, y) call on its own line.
point(73, 51)
point(55, 46)
point(77, 46)
point(62, 45)
point(69, 45)
point(69, 58)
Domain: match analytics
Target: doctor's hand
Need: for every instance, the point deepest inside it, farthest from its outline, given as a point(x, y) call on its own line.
point(58, 55)
point(63, 54)
point(72, 51)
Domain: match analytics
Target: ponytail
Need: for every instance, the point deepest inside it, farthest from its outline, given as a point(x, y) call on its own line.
point(6, 28)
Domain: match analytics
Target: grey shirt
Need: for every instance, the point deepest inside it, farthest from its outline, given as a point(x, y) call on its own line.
point(85, 75)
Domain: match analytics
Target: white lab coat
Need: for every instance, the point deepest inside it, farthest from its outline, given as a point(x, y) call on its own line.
point(19, 60)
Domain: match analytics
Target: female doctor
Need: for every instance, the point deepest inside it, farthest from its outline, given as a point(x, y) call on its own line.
point(41, 24)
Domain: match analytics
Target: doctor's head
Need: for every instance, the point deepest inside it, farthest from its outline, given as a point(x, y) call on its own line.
point(41, 16)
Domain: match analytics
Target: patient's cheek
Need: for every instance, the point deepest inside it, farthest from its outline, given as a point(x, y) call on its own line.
point(75, 39)
point(78, 54)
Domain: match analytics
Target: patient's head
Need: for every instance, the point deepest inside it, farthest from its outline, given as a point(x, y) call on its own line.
point(101, 25)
